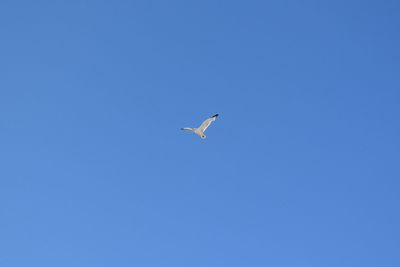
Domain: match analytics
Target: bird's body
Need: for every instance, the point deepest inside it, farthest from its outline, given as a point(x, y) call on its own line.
point(203, 127)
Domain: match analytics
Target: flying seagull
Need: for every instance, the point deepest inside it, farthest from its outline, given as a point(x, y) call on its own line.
point(203, 127)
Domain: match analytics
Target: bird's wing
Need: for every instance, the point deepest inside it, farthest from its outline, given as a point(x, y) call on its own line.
point(187, 129)
point(207, 122)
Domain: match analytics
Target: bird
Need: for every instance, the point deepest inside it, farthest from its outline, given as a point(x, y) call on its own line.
point(202, 128)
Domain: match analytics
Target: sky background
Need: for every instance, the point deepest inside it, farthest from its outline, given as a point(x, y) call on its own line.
point(301, 168)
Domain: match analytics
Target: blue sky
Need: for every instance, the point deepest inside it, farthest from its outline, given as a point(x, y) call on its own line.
point(300, 169)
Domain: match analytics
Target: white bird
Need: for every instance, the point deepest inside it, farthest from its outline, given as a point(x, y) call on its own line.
point(203, 127)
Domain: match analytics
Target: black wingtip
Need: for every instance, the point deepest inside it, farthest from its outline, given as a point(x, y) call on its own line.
point(214, 116)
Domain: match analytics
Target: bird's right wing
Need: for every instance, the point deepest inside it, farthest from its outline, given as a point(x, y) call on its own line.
point(207, 122)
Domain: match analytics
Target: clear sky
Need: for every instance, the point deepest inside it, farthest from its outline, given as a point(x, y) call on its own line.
point(302, 168)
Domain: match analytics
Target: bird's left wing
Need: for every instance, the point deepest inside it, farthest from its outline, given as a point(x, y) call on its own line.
point(187, 129)
point(207, 122)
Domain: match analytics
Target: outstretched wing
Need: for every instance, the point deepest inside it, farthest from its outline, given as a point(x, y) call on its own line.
point(207, 122)
point(187, 129)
